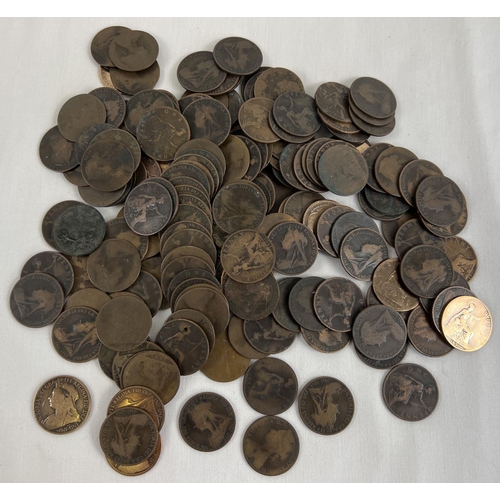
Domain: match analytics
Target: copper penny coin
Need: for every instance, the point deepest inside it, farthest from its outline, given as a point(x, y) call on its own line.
point(411, 234)
point(207, 422)
point(326, 405)
point(133, 50)
point(462, 256)
point(188, 274)
point(267, 336)
point(190, 237)
point(452, 229)
point(124, 137)
point(239, 342)
point(326, 340)
point(273, 82)
point(99, 47)
point(75, 177)
point(411, 176)
point(443, 299)
point(237, 156)
point(410, 392)
point(281, 312)
point(118, 228)
point(131, 82)
point(141, 468)
point(390, 207)
point(386, 363)
point(186, 343)
point(337, 302)
point(269, 190)
point(324, 226)
point(36, 300)
point(93, 298)
point(295, 112)
point(114, 266)
point(203, 145)
point(62, 404)
point(178, 172)
point(238, 56)
point(78, 113)
point(270, 386)
point(198, 72)
point(301, 303)
point(113, 102)
point(253, 118)
point(97, 198)
point(147, 288)
point(252, 301)
point(82, 280)
point(390, 228)
point(333, 100)
point(373, 97)
point(88, 136)
point(200, 319)
point(298, 204)
point(123, 323)
point(247, 256)
point(388, 167)
point(256, 160)
point(370, 156)
point(56, 152)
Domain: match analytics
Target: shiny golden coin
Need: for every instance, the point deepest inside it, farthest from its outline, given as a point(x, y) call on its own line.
point(466, 323)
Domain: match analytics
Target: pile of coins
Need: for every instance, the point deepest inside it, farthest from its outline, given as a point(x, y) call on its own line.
point(221, 190)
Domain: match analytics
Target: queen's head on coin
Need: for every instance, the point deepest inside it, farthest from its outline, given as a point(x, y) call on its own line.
point(62, 400)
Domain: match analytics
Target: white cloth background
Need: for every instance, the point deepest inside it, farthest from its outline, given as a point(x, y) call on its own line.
point(445, 75)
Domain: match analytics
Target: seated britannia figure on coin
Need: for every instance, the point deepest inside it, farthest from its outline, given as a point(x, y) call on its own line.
point(405, 389)
point(62, 400)
point(205, 418)
point(82, 334)
point(462, 322)
point(267, 382)
point(325, 409)
point(369, 255)
point(342, 303)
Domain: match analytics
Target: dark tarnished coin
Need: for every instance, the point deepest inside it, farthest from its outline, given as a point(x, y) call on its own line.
point(390, 207)
point(62, 404)
point(368, 209)
point(256, 160)
point(177, 173)
point(324, 226)
point(238, 56)
point(247, 256)
point(88, 136)
point(55, 265)
point(451, 230)
point(411, 234)
point(388, 167)
point(373, 97)
point(272, 220)
point(188, 274)
point(161, 131)
point(75, 177)
point(426, 271)
point(207, 422)
point(270, 386)
point(74, 335)
point(224, 363)
point(337, 302)
point(370, 156)
point(361, 251)
point(386, 363)
point(93, 298)
point(82, 280)
point(269, 190)
point(118, 228)
point(379, 332)
point(271, 446)
point(99, 48)
point(295, 112)
point(345, 223)
point(370, 128)
point(147, 288)
point(133, 50)
point(281, 312)
point(237, 158)
point(56, 152)
point(236, 335)
point(424, 336)
point(267, 336)
point(200, 319)
point(113, 102)
point(286, 166)
point(462, 256)
point(443, 299)
point(203, 145)
point(410, 392)
point(298, 204)
point(296, 247)
point(36, 300)
point(412, 175)
point(128, 436)
point(79, 230)
point(114, 266)
point(198, 72)
point(78, 113)
point(189, 237)
point(186, 343)
point(98, 198)
point(123, 323)
point(333, 100)
point(390, 228)
point(253, 118)
point(273, 82)
point(126, 138)
point(343, 170)
point(326, 340)
point(252, 301)
point(326, 406)
point(131, 82)
point(301, 303)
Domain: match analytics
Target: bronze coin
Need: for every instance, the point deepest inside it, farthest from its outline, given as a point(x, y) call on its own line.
point(56, 152)
point(177, 173)
point(196, 192)
point(333, 100)
point(295, 112)
point(388, 288)
point(301, 303)
point(92, 298)
point(390, 228)
point(200, 319)
point(208, 160)
point(190, 237)
point(343, 170)
point(221, 93)
point(272, 220)
point(133, 50)
point(267, 336)
point(82, 280)
point(113, 102)
point(314, 211)
point(238, 56)
point(424, 336)
point(36, 300)
point(370, 128)
point(384, 364)
point(105, 358)
point(326, 406)
point(74, 335)
point(131, 82)
point(337, 302)
point(324, 226)
point(411, 234)
point(125, 138)
point(443, 299)
point(208, 119)
point(373, 97)
point(97, 198)
point(128, 436)
point(379, 332)
point(236, 335)
point(188, 274)
point(152, 266)
point(286, 166)
point(123, 323)
point(252, 301)
point(118, 228)
point(271, 446)
point(88, 136)
point(152, 167)
point(75, 177)
point(186, 343)
point(303, 205)
point(196, 202)
point(296, 248)
point(451, 230)
point(267, 187)
point(114, 266)
point(345, 223)
point(105, 77)
point(55, 265)
point(253, 118)
point(388, 167)
point(369, 210)
point(426, 271)
point(386, 204)
point(361, 251)
point(270, 386)
point(99, 47)
point(427, 304)
point(141, 468)
point(410, 392)
point(370, 156)
point(62, 404)
point(326, 340)
point(237, 156)
point(341, 127)
point(147, 287)
point(361, 115)
point(207, 422)
point(273, 82)
point(256, 160)
point(247, 256)
point(203, 145)
point(224, 364)
point(462, 256)
point(198, 72)
point(78, 113)
point(354, 139)
point(412, 175)
point(281, 312)
point(171, 191)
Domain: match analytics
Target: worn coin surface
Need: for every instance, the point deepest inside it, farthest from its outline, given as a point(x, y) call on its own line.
point(51, 216)
point(295, 112)
point(62, 404)
point(118, 228)
point(198, 72)
point(237, 157)
point(345, 223)
point(411, 176)
point(273, 82)
point(386, 363)
point(326, 340)
point(436, 306)
point(410, 392)
point(207, 421)
point(281, 312)
point(133, 50)
point(92, 298)
point(267, 336)
point(411, 234)
point(271, 446)
point(200, 319)
point(113, 102)
point(370, 156)
point(141, 468)
point(333, 100)
point(388, 167)
point(301, 303)
point(125, 138)
point(373, 97)
point(253, 118)
point(462, 256)
point(238, 340)
point(238, 56)
point(99, 47)
point(56, 152)
point(326, 405)
point(131, 82)
point(270, 386)
point(148, 288)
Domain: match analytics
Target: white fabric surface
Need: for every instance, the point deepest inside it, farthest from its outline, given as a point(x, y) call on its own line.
point(445, 75)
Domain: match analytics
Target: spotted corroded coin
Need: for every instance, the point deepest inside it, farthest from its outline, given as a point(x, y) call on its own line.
point(198, 72)
point(62, 404)
point(373, 97)
point(74, 335)
point(271, 446)
point(326, 406)
point(270, 386)
point(410, 392)
point(247, 256)
point(56, 152)
point(207, 422)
